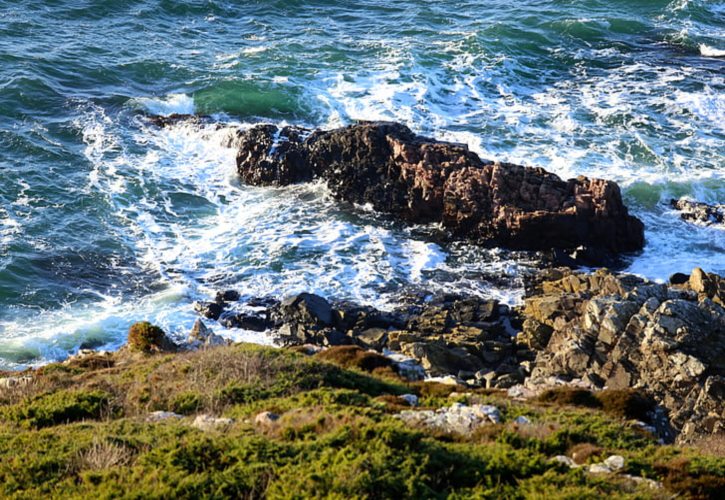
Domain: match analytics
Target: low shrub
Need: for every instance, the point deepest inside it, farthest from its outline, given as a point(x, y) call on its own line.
point(626, 403)
point(570, 396)
point(147, 338)
point(351, 356)
point(682, 476)
point(583, 452)
point(59, 408)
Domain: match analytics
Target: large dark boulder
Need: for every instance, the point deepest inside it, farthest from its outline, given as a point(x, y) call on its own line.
point(422, 180)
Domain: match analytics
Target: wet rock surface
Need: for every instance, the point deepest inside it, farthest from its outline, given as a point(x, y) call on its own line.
point(700, 213)
point(421, 180)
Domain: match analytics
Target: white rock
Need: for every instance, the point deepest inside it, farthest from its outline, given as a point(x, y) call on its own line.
point(489, 411)
point(599, 469)
point(411, 399)
point(522, 420)
point(565, 460)
point(158, 416)
point(655, 485)
point(266, 418)
point(208, 422)
point(615, 462)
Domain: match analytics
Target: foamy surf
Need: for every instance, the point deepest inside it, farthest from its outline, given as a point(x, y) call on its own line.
point(707, 51)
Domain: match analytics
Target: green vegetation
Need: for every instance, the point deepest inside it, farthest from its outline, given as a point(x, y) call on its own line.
point(145, 337)
point(80, 430)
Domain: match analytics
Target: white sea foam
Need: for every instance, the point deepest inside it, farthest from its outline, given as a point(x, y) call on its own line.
point(171, 104)
point(249, 51)
point(192, 225)
point(708, 51)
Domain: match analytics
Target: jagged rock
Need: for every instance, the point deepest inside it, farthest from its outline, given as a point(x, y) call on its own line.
point(306, 308)
point(211, 310)
point(201, 336)
point(700, 213)
point(245, 321)
point(619, 332)
point(227, 296)
point(421, 180)
point(374, 338)
point(272, 156)
point(439, 359)
point(176, 118)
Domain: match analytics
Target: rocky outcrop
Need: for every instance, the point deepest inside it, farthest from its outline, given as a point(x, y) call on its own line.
point(467, 337)
point(622, 331)
point(422, 180)
point(700, 213)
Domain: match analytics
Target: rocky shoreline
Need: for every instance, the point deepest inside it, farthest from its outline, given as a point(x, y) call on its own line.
point(588, 330)
point(649, 353)
point(597, 330)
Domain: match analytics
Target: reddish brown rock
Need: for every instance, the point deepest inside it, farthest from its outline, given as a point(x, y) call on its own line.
point(422, 180)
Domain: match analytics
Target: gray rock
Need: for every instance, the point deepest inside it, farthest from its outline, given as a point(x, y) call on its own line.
point(622, 332)
point(210, 423)
point(202, 336)
point(615, 462)
point(563, 459)
point(411, 399)
point(160, 416)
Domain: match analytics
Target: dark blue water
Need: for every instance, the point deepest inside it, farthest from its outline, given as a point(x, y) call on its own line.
point(104, 221)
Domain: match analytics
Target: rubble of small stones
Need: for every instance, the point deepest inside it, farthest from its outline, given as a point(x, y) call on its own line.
point(457, 418)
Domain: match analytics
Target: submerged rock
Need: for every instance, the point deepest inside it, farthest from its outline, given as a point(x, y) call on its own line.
point(700, 213)
point(422, 180)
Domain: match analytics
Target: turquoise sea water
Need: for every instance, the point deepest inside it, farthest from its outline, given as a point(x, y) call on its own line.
point(104, 220)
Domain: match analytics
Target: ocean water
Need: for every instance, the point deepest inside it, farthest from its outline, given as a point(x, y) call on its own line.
point(105, 221)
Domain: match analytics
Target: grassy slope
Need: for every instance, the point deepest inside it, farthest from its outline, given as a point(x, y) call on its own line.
point(80, 430)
